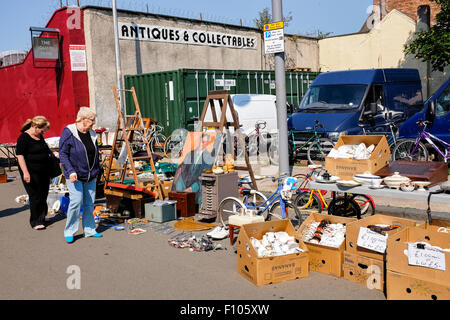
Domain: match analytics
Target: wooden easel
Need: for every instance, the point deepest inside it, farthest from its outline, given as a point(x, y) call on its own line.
point(125, 132)
point(224, 99)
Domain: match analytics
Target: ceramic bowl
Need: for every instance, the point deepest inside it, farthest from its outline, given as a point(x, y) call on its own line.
point(366, 178)
point(421, 184)
point(408, 187)
point(395, 180)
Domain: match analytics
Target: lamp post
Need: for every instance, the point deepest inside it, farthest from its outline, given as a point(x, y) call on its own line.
point(280, 85)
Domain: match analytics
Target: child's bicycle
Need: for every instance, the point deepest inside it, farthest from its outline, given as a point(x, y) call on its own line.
point(356, 204)
point(279, 205)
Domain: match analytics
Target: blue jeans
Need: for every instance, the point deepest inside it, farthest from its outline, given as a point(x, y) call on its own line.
point(81, 193)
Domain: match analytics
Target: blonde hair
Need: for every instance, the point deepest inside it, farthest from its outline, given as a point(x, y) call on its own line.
point(84, 113)
point(38, 121)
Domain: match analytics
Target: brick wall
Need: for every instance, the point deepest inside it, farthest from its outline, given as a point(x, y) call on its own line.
point(409, 7)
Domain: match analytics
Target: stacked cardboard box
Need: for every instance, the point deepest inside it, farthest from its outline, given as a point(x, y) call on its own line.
point(267, 270)
point(365, 250)
point(324, 259)
point(417, 267)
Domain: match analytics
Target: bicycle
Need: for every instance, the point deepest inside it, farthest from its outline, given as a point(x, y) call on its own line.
point(345, 206)
point(391, 136)
point(156, 138)
point(277, 206)
point(314, 199)
point(253, 141)
point(317, 146)
point(415, 150)
point(174, 144)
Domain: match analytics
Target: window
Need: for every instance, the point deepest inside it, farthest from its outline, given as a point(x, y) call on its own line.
point(443, 103)
point(402, 96)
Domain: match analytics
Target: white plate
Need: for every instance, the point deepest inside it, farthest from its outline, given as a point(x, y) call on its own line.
point(348, 183)
point(332, 179)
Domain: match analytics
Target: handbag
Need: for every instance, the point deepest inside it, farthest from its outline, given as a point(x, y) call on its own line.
point(54, 167)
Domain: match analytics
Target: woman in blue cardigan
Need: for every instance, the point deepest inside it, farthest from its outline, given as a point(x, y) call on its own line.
point(79, 157)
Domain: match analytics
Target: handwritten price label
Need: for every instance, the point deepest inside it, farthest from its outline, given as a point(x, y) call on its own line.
point(426, 256)
point(372, 240)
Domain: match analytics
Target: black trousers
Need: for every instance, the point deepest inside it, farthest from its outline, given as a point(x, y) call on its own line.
point(37, 191)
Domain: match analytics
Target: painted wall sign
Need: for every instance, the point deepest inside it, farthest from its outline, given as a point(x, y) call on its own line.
point(142, 32)
point(78, 57)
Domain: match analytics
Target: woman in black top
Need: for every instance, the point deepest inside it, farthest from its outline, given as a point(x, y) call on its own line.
point(33, 156)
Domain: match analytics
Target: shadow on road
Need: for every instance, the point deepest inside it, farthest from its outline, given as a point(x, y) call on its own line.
point(11, 211)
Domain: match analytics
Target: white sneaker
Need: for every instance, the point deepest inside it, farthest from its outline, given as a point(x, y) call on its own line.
point(218, 233)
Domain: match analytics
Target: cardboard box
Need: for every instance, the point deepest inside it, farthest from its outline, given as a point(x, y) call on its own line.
point(353, 229)
point(3, 176)
point(262, 271)
point(345, 169)
point(322, 258)
point(365, 271)
point(166, 186)
point(406, 287)
point(437, 225)
point(397, 259)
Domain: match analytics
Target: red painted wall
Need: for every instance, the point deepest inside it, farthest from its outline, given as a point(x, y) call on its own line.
point(56, 93)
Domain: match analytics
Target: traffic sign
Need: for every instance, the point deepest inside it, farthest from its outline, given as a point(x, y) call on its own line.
point(274, 41)
point(274, 26)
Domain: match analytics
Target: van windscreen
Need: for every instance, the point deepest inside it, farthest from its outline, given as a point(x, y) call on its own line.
point(335, 97)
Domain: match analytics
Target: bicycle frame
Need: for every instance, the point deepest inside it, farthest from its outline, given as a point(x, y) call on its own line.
point(390, 136)
point(429, 138)
point(269, 202)
point(315, 136)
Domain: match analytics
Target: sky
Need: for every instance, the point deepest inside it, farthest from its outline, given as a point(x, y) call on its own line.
point(308, 16)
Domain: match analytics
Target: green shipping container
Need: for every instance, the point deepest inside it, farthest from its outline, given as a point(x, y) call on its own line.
point(175, 99)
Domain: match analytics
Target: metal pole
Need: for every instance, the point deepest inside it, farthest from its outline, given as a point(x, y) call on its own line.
point(117, 48)
point(280, 85)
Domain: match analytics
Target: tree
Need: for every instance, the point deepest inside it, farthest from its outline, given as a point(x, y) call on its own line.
point(434, 45)
point(265, 17)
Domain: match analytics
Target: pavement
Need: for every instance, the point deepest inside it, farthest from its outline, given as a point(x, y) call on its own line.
point(38, 265)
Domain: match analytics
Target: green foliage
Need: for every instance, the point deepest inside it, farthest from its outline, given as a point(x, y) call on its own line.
point(434, 45)
point(265, 17)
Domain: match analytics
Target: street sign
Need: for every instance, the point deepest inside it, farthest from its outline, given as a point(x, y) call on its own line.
point(273, 26)
point(274, 41)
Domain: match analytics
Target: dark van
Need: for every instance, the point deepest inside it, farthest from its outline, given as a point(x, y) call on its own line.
point(342, 100)
point(436, 110)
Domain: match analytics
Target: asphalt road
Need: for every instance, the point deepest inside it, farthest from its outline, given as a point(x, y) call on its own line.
point(39, 265)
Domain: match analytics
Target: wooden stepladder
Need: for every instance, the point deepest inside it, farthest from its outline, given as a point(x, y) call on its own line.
point(224, 99)
point(131, 130)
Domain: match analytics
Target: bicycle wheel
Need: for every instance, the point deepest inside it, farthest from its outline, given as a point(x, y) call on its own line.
point(337, 207)
point(157, 143)
point(173, 146)
point(291, 213)
point(254, 200)
point(403, 149)
point(365, 203)
point(273, 153)
point(301, 200)
point(227, 207)
point(304, 181)
point(318, 150)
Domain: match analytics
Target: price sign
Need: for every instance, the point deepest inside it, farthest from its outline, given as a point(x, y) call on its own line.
point(372, 240)
point(425, 255)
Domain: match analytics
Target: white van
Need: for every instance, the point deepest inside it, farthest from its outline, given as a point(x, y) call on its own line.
point(251, 109)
